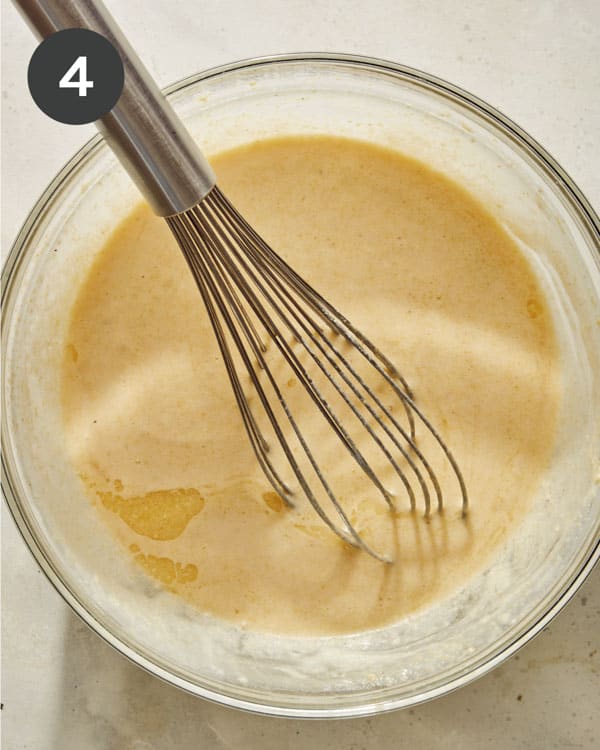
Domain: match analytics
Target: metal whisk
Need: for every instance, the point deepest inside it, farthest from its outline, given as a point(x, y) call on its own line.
point(273, 329)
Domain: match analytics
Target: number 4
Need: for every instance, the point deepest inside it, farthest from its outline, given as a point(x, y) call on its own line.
point(68, 80)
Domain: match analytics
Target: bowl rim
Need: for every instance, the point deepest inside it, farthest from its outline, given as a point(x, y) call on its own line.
point(10, 272)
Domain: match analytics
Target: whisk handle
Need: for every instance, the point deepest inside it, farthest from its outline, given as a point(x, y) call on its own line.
point(142, 129)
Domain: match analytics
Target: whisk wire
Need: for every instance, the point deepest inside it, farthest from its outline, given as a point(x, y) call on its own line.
point(258, 442)
point(296, 314)
point(208, 280)
point(342, 325)
point(294, 363)
point(223, 261)
point(261, 251)
point(244, 282)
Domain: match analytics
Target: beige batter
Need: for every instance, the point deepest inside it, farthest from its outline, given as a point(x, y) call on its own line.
point(426, 273)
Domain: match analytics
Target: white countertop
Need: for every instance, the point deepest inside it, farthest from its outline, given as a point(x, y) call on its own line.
point(65, 689)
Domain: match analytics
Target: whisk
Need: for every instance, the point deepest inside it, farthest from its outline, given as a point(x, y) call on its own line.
point(273, 329)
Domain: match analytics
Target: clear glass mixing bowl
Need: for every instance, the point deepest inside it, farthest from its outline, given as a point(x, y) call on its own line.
point(435, 650)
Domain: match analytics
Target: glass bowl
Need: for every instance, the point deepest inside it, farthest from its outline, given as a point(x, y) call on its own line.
point(434, 650)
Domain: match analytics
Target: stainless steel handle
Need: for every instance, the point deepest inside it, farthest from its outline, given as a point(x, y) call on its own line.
point(142, 128)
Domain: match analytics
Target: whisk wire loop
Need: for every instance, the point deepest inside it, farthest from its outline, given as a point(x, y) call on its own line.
point(256, 300)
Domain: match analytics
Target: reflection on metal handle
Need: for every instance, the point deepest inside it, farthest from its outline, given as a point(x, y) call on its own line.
point(142, 128)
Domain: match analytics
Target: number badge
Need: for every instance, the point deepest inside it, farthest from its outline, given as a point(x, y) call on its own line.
point(75, 76)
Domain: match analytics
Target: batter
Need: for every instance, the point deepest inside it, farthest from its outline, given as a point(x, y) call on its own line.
point(417, 264)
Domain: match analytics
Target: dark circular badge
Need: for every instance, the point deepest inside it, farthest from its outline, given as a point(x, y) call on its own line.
point(75, 76)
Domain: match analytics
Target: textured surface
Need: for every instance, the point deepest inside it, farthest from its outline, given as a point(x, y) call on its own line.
point(63, 688)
